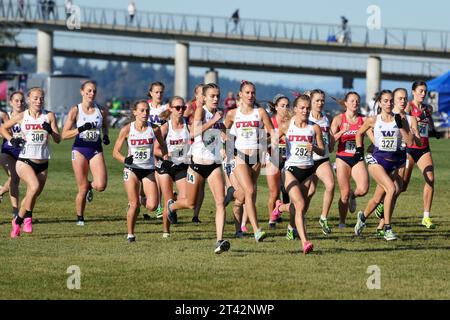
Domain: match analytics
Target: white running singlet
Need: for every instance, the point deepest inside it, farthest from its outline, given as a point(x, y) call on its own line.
point(36, 138)
point(140, 146)
point(297, 140)
point(177, 142)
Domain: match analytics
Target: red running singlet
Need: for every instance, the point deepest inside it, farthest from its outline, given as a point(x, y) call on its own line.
point(347, 142)
point(422, 125)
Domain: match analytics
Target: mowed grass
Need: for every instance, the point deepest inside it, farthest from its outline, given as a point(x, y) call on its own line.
point(185, 266)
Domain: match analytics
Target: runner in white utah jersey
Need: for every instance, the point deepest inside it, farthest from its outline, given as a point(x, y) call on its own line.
point(37, 125)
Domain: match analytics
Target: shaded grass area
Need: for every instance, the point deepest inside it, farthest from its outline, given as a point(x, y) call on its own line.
point(185, 266)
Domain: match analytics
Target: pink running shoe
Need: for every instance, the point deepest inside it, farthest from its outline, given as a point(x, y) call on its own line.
point(15, 232)
point(307, 247)
point(28, 225)
point(244, 229)
point(276, 212)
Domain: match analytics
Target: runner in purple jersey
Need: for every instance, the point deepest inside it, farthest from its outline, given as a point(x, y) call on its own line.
point(9, 154)
point(85, 122)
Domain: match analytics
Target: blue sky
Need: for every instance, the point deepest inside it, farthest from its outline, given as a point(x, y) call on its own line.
point(430, 14)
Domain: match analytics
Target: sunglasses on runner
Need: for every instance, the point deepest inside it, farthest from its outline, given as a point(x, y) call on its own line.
point(179, 108)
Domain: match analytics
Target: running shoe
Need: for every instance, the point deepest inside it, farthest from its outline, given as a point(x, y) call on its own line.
point(229, 196)
point(222, 246)
point(360, 225)
point(260, 235)
point(239, 234)
point(166, 235)
point(380, 233)
point(196, 220)
point(28, 225)
point(15, 232)
point(159, 212)
point(342, 226)
point(244, 229)
point(131, 238)
point(352, 203)
point(172, 214)
point(325, 227)
point(389, 235)
point(307, 247)
point(90, 195)
point(428, 223)
point(291, 234)
point(80, 221)
point(276, 213)
point(379, 210)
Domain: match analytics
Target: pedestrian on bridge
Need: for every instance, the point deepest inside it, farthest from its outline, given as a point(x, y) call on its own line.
point(20, 5)
point(51, 8)
point(43, 4)
point(132, 11)
point(235, 18)
point(68, 6)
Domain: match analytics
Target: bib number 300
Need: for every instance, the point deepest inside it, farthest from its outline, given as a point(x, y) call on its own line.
point(37, 137)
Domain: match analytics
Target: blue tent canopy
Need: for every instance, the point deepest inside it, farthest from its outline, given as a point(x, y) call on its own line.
point(441, 85)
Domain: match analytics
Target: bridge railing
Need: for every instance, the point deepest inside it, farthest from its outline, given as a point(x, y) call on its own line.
point(283, 31)
point(120, 45)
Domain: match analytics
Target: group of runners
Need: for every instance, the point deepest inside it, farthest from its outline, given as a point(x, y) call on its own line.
point(186, 145)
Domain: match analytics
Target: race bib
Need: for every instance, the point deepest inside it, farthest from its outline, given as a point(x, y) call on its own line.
point(37, 137)
point(141, 155)
point(350, 146)
point(177, 151)
point(301, 152)
point(387, 144)
point(126, 175)
point(370, 159)
point(247, 133)
point(91, 135)
point(190, 178)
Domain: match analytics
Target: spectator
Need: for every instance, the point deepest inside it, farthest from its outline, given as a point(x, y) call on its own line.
point(51, 8)
point(131, 11)
point(20, 5)
point(344, 37)
point(43, 4)
point(68, 6)
point(235, 18)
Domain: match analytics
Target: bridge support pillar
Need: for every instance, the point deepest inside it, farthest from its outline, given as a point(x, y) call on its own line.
point(211, 76)
point(44, 52)
point(373, 77)
point(181, 69)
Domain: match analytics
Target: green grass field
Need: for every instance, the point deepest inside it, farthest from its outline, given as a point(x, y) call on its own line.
point(185, 266)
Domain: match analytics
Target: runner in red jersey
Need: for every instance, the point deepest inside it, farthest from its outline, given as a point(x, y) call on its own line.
point(274, 163)
point(421, 154)
point(344, 128)
point(195, 102)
